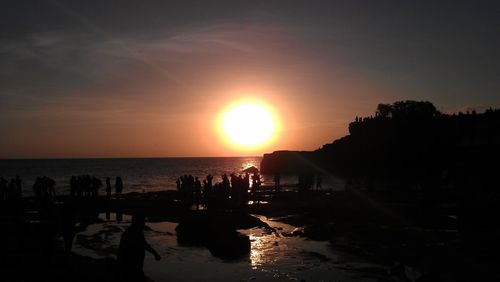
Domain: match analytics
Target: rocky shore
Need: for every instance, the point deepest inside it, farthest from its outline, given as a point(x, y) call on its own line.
point(367, 225)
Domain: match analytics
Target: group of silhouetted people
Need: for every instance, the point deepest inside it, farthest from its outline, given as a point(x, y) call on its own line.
point(44, 187)
point(308, 182)
point(88, 186)
point(192, 191)
point(69, 217)
point(84, 186)
point(235, 188)
point(10, 189)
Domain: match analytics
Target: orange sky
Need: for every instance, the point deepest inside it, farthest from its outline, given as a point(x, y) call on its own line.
point(155, 125)
point(151, 82)
point(159, 106)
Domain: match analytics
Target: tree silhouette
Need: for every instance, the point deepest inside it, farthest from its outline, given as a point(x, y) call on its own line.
point(407, 110)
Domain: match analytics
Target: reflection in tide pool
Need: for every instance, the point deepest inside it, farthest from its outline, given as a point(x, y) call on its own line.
point(273, 256)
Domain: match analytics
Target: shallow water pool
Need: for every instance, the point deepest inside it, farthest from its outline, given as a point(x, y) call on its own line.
point(272, 257)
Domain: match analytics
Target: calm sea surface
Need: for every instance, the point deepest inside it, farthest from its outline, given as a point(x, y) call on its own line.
point(139, 174)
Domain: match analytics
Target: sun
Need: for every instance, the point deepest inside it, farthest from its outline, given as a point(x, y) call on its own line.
point(249, 124)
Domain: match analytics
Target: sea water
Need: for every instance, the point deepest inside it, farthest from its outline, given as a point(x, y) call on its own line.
point(140, 174)
point(273, 257)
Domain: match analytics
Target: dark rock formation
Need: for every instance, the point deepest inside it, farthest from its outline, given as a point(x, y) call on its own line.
point(405, 141)
point(288, 162)
point(251, 169)
point(218, 232)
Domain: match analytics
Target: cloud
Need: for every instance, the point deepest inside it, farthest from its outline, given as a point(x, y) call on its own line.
point(64, 69)
point(69, 59)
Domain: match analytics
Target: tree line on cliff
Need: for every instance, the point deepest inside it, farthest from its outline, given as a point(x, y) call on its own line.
point(406, 141)
point(413, 140)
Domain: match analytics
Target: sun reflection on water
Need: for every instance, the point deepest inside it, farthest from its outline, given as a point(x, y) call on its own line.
point(266, 247)
point(269, 253)
point(257, 257)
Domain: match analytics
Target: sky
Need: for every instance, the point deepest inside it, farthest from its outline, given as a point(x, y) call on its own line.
point(122, 78)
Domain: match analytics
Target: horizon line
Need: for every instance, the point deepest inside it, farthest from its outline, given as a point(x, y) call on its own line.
point(100, 158)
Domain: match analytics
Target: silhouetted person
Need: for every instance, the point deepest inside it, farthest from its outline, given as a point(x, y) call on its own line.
point(209, 186)
point(12, 189)
point(108, 187)
point(51, 184)
point(255, 185)
point(210, 179)
point(132, 250)
point(118, 186)
point(277, 182)
point(73, 186)
point(178, 184)
point(19, 188)
point(95, 185)
point(3, 188)
point(197, 192)
point(319, 182)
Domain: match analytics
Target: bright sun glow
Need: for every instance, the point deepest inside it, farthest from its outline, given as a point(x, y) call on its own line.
point(249, 125)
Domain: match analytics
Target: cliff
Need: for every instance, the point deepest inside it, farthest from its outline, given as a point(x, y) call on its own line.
point(405, 140)
point(287, 162)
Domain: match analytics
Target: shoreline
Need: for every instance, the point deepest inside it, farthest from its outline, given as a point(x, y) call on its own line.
point(350, 223)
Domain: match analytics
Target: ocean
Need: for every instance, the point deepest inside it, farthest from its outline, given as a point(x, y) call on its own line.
point(139, 174)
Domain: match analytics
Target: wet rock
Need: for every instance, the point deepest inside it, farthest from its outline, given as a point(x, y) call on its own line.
point(319, 232)
point(222, 242)
point(296, 232)
point(229, 245)
point(218, 233)
point(251, 169)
